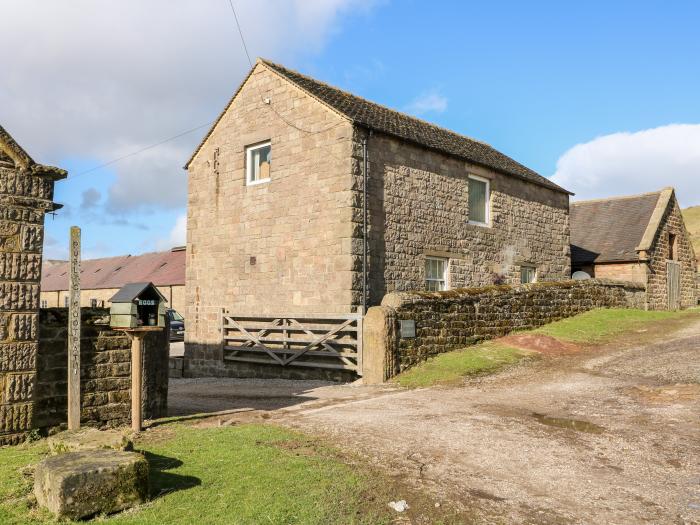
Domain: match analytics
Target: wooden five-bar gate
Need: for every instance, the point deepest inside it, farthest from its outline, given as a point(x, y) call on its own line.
point(314, 341)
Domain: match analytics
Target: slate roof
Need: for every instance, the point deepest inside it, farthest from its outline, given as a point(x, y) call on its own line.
point(610, 230)
point(160, 268)
point(368, 114)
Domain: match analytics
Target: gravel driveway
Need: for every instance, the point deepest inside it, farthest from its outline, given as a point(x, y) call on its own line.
point(611, 435)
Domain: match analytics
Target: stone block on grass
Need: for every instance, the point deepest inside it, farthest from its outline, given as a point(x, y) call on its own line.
point(88, 438)
point(80, 484)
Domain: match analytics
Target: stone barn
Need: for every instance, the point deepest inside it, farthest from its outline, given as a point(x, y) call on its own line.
point(306, 199)
point(639, 238)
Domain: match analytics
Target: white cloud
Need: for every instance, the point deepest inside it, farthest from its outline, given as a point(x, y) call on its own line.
point(178, 235)
point(627, 163)
point(98, 80)
point(428, 102)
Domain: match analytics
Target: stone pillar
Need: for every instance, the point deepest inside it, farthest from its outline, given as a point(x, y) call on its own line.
point(379, 345)
point(26, 193)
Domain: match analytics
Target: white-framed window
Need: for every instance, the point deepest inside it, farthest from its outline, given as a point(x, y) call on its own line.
point(257, 163)
point(44, 303)
point(436, 273)
point(479, 200)
point(528, 274)
point(65, 301)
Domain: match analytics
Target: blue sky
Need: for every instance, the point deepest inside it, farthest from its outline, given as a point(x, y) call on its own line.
point(601, 95)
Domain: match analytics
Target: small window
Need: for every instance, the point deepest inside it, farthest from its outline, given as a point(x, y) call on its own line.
point(257, 163)
point(93, 303)
point(528, 274)
point(479, 196)
point(672, 251)
point(65, 301)
point(44, 303)
point(435, 274)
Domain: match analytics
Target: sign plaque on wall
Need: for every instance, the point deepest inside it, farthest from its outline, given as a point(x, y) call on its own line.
point(407, 328)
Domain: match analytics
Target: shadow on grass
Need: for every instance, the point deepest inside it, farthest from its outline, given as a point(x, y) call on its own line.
point(162, 482)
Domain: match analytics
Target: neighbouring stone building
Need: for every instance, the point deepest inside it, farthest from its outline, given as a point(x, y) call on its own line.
point(276, 208)
point(639, 238)
point(102, 278)
point(26, 195)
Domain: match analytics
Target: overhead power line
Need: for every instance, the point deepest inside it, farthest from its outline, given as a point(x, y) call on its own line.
point(137, 152)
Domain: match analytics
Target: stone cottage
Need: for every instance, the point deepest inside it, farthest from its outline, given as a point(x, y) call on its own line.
point(26, 195)
point(639, 238)
point(277, 218)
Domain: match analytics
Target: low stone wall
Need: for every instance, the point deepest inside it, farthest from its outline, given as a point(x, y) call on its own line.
point(457, 318)
point(105, 359)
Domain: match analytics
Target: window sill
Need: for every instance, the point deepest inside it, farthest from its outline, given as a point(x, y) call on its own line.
point(482, 224)
point(256, 182)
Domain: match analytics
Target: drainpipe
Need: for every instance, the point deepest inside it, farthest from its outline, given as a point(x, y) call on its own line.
point(365, 178)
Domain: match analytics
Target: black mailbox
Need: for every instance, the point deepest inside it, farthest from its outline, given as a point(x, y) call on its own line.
point(137, 305)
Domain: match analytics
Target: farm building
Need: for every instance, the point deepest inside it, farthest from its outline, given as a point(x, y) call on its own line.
point(102, 278)
point(278, 220)
point(639, 238)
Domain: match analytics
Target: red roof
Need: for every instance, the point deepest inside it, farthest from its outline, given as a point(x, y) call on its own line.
point(160, 268)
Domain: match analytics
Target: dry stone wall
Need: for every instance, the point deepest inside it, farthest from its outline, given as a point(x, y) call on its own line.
point(105, 375)
point(454, 319)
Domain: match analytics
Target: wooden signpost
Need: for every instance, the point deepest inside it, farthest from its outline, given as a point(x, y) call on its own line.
point(74, 331)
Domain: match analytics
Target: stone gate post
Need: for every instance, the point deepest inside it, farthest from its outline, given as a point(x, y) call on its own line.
point(26, 195)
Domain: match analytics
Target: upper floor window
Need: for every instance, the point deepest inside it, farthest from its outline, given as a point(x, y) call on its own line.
point(479, 195)
point(257, 162)
point(435, 274)
point(528, 274)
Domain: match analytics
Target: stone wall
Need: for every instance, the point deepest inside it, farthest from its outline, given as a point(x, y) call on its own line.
point(25, 196)
point(457, 318)
point(671, 223)
point(419, 206)
point(105, 361)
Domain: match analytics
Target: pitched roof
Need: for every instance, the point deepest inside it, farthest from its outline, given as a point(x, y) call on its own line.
point(382, 119)
point(131, 291)
point(612, 230)
point(160, 268)
point(10, 149)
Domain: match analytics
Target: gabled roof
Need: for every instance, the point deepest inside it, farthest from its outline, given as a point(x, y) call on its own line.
point(370, 115)
point(160, 268)
point(131, 291)
point(10, 148)
point(616, 229)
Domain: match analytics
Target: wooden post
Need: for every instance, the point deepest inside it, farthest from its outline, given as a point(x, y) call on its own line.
point(74, 331)
point(136, 380)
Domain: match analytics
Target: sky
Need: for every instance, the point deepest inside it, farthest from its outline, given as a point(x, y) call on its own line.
point(600, 96)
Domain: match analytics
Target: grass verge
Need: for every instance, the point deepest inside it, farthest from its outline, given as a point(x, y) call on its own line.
point(227, 475)
point(602, 325)
point(452, 367)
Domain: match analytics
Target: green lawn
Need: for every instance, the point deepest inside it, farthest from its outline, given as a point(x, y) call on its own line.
point(596, 326)
point(453, 367)
point(224, 475)
point(601, 325)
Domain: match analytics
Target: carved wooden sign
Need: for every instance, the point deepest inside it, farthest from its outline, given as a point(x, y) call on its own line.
point(74, 331)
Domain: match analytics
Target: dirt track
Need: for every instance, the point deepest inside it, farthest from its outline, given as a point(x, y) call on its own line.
point(611, 435)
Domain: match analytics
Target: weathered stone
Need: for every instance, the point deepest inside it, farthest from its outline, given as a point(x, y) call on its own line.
point(80, 484)
point(88, 438)
point(454, 319)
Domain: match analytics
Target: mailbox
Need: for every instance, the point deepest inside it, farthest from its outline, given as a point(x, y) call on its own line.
point(137, 305)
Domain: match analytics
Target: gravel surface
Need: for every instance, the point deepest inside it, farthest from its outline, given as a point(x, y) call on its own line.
point(609, 435)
